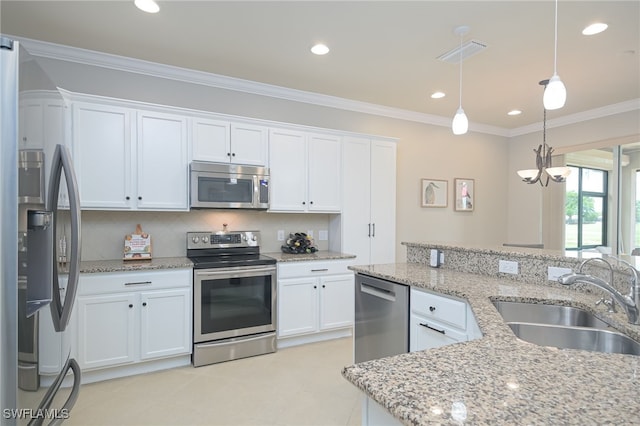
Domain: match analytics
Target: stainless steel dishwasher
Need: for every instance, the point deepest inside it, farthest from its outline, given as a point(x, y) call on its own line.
point(382, 318)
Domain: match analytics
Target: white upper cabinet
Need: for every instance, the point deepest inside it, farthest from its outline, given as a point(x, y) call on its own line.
point(102, 137)
point(226, 142)
point(130, 159)
point(305, 172)
point(324, 173)
point(162, 164)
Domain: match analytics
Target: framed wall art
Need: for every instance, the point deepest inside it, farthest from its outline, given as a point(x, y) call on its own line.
point(465, 194)
point(434, 193)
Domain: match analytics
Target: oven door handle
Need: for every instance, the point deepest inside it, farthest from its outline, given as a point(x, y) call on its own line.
point(235, 272)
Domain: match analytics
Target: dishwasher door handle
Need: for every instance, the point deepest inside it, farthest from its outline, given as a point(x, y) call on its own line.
point(378, 292)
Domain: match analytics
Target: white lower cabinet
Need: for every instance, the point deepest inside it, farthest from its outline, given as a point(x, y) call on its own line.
point(132, 317)
point(314, 299)
point(436, 320)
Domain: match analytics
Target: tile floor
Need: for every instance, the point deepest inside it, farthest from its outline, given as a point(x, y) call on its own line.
point(295, 386)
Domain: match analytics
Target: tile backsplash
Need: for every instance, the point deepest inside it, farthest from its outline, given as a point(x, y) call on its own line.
point(103, 231)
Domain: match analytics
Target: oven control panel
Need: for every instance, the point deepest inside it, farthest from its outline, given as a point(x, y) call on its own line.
point(222, 239)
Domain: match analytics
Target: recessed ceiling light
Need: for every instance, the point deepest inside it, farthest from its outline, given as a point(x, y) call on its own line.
point(514, 112)
point(596, 28)
point(149, 6)
point(437, 95)
point(320, 49)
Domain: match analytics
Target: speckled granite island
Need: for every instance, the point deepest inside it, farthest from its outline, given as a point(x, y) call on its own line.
point(499, 379)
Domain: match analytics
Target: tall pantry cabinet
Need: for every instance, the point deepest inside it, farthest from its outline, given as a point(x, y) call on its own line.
point(368, 221)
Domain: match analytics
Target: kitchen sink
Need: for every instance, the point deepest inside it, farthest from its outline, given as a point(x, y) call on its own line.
point(588, 339)
point(564, 327)
point(548, 314)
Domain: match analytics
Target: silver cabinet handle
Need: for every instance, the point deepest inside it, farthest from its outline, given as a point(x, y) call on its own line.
point(320, 270)
point(139, 283)
point(431, 328)
point(369, 234)
point(374, 230)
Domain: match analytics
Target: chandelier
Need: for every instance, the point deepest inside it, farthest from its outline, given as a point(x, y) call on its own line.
point(544, 171)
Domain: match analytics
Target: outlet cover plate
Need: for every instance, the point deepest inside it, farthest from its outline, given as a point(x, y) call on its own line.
point(508, 267)
point(555, 272)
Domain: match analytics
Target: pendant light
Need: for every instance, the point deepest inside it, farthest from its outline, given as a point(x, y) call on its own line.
point(555, 94)
point(544, 172)
point(460, 123)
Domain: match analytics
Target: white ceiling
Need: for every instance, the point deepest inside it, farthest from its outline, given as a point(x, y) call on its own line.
point(382, 52)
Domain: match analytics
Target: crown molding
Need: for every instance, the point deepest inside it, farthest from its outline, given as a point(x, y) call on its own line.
point(121, 63)
point(605, 111)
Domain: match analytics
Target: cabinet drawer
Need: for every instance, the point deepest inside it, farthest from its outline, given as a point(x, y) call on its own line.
point(439, 308)
point(313, 268)
point(116, 282)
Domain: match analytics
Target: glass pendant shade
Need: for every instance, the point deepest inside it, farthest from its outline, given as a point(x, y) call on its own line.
point(555, 94)
point(528, 175)
point(460, 123)
point(558, 173)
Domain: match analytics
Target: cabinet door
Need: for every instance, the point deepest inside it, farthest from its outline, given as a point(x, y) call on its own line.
point(297, 306)
point(211, 140)
point(337, 304)
point(106, 328)
point(356, 198)
point(30, 124)
point(162, 178)
point(383, 195)
point(288, 167)
point(165, 323)
point(324, 178)
point(426, 334)
point(102, 155)
point(249, 144)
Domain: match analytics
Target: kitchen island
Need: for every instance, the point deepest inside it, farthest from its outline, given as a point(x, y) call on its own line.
point(499, 379)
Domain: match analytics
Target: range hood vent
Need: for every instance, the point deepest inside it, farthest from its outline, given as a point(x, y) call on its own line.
point(468, 49)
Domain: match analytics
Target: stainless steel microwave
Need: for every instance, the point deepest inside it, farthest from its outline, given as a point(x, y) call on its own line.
point(228, 186)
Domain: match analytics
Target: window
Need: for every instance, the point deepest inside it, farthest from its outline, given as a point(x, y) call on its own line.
point(586, 208)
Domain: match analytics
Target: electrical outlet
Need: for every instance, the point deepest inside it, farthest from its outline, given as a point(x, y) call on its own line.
point(508, 267)
point(280, 235)
point(555, 272)
point(323, 235)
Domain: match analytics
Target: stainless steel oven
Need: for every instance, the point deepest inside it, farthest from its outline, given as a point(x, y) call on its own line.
point(234, 297)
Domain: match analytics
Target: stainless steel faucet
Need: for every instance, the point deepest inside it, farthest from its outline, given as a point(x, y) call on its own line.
point(630, 303)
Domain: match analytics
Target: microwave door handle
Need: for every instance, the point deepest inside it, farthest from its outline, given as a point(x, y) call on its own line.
point(256, 192)
point(61, 313)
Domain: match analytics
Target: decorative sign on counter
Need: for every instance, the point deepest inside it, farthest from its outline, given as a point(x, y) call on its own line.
point(137, 246)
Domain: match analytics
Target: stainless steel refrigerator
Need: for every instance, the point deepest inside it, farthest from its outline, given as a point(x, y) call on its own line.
point(40, 247)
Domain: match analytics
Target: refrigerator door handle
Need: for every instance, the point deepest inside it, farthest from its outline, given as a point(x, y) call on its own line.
point(61, 313)
point(45, 404)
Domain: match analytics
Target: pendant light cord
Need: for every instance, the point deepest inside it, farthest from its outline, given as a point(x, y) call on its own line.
point(555, 42)
point(461, 36)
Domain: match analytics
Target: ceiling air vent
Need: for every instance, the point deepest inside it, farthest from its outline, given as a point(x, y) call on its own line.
point(468, 49)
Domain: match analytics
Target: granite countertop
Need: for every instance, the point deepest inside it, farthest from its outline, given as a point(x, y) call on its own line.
point(119, 265)
point(498, 378)
point(319, 255)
